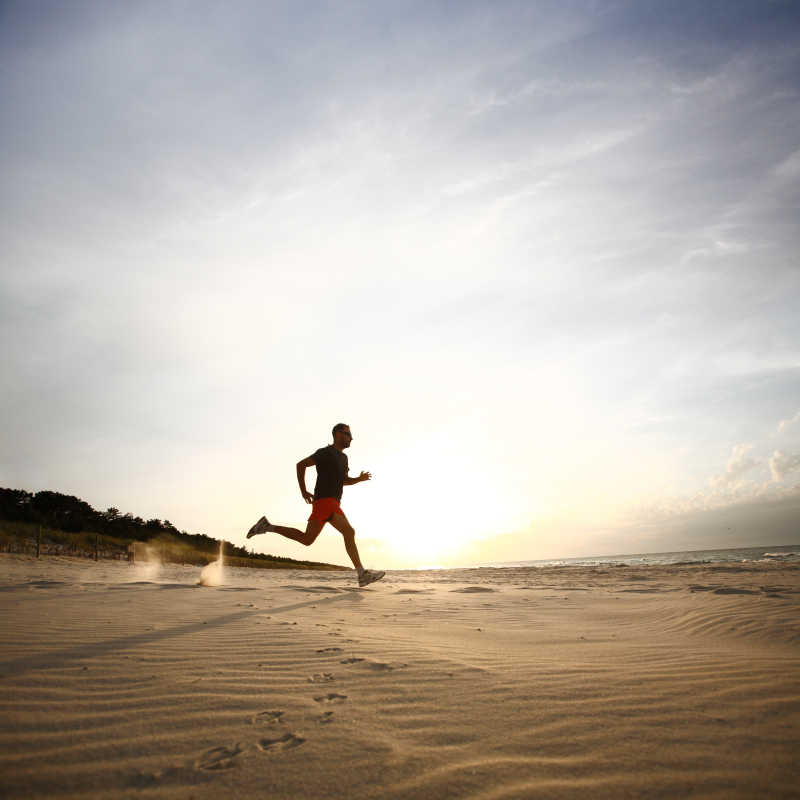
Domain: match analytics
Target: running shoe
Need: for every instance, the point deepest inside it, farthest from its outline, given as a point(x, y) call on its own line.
point(370, 576)
point(260, 527)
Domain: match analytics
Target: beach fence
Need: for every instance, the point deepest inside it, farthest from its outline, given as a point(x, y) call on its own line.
point(29, 538)
point(35, 540)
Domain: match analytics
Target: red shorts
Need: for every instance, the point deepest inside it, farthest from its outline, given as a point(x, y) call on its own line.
point(324, 508)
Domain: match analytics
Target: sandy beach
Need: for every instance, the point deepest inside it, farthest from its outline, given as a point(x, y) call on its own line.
point(122, 681)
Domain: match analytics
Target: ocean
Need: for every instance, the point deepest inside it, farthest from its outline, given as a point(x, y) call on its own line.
point(783, 553)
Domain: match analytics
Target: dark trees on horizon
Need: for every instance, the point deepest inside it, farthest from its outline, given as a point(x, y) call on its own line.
point(71, 514)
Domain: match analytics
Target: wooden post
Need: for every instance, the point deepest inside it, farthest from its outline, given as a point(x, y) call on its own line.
point(96, 545)
point(38, 541)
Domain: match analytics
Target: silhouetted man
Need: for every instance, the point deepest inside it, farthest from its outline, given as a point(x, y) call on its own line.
point(332, 476)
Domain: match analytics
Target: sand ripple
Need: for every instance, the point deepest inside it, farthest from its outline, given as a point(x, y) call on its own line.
point(639, 682)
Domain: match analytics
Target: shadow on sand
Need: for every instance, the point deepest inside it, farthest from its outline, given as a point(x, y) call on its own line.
point(60, 658)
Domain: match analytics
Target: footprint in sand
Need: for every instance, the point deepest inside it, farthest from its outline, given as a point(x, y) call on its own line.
point(267, 718)
point(378, 666)
point(325, 717)
point(158, 777)
point(321, 677)
point(331, 697)
point(218, 757)
point(473, 589)
point(375, 666)
point(286, 742)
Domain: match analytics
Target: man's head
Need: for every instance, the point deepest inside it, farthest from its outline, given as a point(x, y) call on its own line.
point(341, 435)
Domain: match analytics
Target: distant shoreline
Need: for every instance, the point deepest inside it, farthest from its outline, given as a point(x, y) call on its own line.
point(784, 552)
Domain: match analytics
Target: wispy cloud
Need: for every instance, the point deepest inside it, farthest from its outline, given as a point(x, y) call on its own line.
point(739, 463)
point(781, 464)
point(785, 424)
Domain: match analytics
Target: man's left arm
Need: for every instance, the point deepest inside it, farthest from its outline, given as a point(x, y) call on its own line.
point(364, 476)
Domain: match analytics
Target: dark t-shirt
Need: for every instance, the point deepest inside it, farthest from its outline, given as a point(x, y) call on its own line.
point(331, 471)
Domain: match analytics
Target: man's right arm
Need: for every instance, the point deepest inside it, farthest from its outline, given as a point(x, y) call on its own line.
point(301, 477)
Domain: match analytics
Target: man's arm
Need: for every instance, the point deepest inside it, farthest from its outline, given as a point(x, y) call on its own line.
point(364, 476)
point(302, 466)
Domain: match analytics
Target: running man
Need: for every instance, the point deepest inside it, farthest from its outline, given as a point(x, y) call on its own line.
point(332, 469)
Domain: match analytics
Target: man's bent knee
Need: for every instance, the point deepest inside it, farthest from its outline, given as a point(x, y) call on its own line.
point(312, 531)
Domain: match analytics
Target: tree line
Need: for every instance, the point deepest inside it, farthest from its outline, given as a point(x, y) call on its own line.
point(71, 514)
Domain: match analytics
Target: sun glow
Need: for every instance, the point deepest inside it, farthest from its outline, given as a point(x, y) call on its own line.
point(439, 518)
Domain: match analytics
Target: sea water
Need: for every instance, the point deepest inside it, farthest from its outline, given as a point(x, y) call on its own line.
point(784, 553)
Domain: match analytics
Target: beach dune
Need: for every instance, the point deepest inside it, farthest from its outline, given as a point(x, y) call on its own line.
point(614, 681)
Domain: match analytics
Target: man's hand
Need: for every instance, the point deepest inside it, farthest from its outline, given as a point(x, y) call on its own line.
point(302, 465)
point(364, 476)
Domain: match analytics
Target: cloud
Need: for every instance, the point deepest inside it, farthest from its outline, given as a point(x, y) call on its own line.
point(743, 523)
point(781, 464)
point(785, 424)
point(726, 497)
point(789, 168)
point(738, 464)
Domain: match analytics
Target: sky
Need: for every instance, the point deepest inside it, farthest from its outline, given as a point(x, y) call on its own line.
point(542, 257)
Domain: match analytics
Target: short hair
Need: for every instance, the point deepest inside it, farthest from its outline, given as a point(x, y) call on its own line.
point(339, 426)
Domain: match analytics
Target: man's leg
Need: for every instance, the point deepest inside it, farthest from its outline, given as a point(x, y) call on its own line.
point(339, 521)
point(305, 537)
